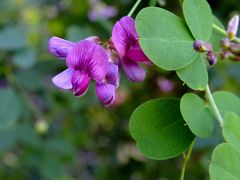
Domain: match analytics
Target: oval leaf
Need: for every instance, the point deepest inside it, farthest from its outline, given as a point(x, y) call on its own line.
point(197, 115)
point(227, 102)
point(195, 75)
point(199, 18)
point(231, 129)
point(164, 38)
point(159, 129)
point(225, 163)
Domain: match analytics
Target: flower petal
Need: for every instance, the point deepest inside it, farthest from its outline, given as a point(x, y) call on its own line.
point(59, 47)
point(124, 35)
point(112, 73)
point(95, 39)
point(133, 70)
point(89, 58)
point(80, 83)
point(63, 79)
point(105, 93)
point(135, 53)
point(233, 27)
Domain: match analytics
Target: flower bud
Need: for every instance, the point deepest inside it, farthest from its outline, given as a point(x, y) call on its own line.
point(225, 43)
point(229, 56)
point(211, 58)
point(235, 49)
point(201, 46)
point(233, 27)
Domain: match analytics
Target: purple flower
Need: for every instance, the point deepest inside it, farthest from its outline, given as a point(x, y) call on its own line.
point(100, 10)
point(233, 27)
point(86, 61)
point(126, 42)
point(165, 85)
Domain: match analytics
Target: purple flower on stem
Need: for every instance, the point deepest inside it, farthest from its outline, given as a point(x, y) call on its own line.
point(233, 27)
point(126, 42)
point(86, 61)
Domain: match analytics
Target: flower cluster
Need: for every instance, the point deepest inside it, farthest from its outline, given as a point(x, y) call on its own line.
point(231, 44)
point(205, 47)
point(89, 59)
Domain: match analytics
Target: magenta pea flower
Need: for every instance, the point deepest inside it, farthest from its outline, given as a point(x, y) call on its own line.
point(86, 61)
point(126, 42)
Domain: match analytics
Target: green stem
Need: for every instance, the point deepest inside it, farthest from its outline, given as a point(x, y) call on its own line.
point(219, 29)
point(186, 158)
point(222, 31)
point(214, 106)
point(134, 8)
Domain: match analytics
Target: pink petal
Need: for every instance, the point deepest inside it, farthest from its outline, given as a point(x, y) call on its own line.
point(63, 79)
point(80, 83)
point(133, 70)
point(124, 35)
point(135, 53)
point(59, 47)
point(89, 58)
point(105, 93)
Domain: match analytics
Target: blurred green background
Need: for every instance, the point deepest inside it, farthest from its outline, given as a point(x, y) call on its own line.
point(49, 134)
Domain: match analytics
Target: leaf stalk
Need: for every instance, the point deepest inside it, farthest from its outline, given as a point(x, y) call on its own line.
point(134, 8)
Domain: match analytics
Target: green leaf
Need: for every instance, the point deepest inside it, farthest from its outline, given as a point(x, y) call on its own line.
point(197, 115)
point(227, 102)
point(25, 59)
point(225, 163)
point(164, 38)
point(12, 38)
point(159, 129)
point(195, 75)
point(231, 129)
point(199, 18)
point(10, 108)
point(216, 35)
